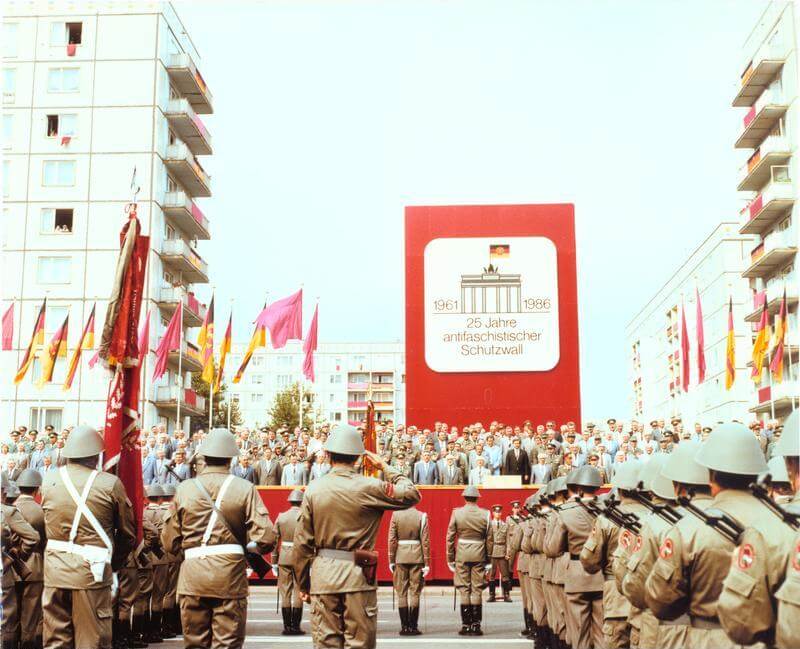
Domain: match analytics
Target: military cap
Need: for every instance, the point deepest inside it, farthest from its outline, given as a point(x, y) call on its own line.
point(626, 475)
point(777, 470)
point(497, 508)
point(560, 484)
point(681, 465)
point(789, 442)
point(660, 484)
point(218, 443)
point(707, 429)
point(585, 476)
point(29, 478)
point(345, 440)
point(296, 496)
point(153, 491)
point(471, 491)
point(514, 502)
point(731, 448)
point(169, 489)
point(83, 441)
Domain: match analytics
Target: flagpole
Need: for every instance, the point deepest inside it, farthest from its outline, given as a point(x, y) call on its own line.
point(180, 370)
point(230, 397)
point(40, 425)
point(213, 374)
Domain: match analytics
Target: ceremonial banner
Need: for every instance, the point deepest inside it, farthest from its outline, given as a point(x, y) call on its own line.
point(701, 340)
point(310, 346)
point(781, 325)
point(171, 341)
point(284, 319)
point(57, 348)
point(760, 345)
point(36, 342)
point(224, 350)
point(205, 341)
point(259, 339)
point(730, 350)
point(144, 337)
point(684, 350)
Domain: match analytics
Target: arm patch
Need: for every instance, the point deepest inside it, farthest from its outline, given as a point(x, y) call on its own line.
point(388, 489)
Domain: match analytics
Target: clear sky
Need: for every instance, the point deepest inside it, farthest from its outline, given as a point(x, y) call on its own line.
point(331, 116)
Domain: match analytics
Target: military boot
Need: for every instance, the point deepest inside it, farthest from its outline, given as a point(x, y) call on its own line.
point(167, 630)
point(477, 616)
point(403, 620)
point(286, 613)
point(466, 619)
point(155, 627)
point(492, 591)
point(526, 632)
point(297, 617)
point(506, 590)
point(137, 637)
point(413, 621)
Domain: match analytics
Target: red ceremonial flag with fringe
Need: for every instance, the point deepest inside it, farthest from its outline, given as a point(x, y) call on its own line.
point(684, 350)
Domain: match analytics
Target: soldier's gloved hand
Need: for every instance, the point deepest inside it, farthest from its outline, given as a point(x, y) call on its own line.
point(275, 569)
point(252, 547)
point(488, 567)
point(391, 568)
point(451, 567)
point(114, 585)
point(425, 571)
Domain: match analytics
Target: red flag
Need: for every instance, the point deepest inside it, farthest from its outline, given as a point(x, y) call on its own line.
point(8, 328)
point(684, 350)
point(310, 346)
point(170, 342)
point(284, 319)
point(93, 360)
point(701, 354)
point(144, 337)
point(71, 48)
point(65, 140)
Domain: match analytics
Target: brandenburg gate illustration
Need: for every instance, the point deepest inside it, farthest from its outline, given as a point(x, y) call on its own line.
point(491, 293)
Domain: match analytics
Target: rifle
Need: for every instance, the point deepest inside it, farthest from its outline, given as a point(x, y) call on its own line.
point(719, 521)
point(616, 516)
point(759, 489)
point(665, 511)
point(628, 520)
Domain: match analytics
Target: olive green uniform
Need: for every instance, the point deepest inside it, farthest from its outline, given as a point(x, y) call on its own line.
point(499, 557)
point(18, 540)
point(787, 624)
point(469, 546)
point(30, 587)
point(283, 557)
point(409, 552)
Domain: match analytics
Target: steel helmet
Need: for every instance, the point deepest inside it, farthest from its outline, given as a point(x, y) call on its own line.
point(551, 488)
point(12, 491)
point(153, 491)
point(169, 489)
point(650, 470)
point(560, 484)
point(345, 440)
point(471, 491)
point(660, 484)
point(777, 470)
point(585, 476)
point(296, 496)
point(219, 443)
point(531, 502)
point(83, 441)
point(789, 443)
point(29, 478)
point(626, 475)
point(681, 465)
point(731, 448)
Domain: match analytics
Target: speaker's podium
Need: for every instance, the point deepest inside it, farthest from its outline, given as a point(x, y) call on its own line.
point(502, 482)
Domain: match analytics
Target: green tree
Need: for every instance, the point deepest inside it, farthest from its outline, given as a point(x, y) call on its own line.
point(220, 415)
point(286, 407)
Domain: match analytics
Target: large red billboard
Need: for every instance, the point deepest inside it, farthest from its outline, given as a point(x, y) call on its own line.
point(491, 314)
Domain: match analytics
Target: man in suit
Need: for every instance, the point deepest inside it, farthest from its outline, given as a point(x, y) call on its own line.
point(541, 471)
point(452, 473)
point(425, 471)
point(294, 473)
point(160, 467)
point(13, 470)
point(478, 475)
point(47, 466)
point(268, 470)
point(517, 462)
point(321, 465)
point(243, 469)
point(180, 469)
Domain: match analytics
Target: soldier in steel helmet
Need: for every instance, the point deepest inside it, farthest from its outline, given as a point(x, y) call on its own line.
point(283, 565)
point(144, 630)
point(29, 588)
point(547, 502)
point(557, 607)
point(171, 614)
point(694, 558)
point(154, 515)
point(334, 560)
point(567, 534)
point(90, 532)
point(469, 546)
point(499, 558)
point(519, 546)
point(215, 519)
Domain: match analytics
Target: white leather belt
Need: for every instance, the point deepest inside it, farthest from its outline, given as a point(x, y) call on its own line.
point(470, 541)
point(287, 544)
point(341, 555)
point(92, 553)
point(408, 542)
point(213, 550)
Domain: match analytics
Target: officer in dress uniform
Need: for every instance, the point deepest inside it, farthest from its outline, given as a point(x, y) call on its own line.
point(210, 520)
point(90, 532)
point(283, 565)
point(499, 556)
point(335, 537)
point(694, 559)
point(469, 546)
point(409, 563)
point(29, 589)
point(172, 616)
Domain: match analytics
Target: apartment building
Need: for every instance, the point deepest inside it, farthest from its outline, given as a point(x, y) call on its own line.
point(768, 135)
point(347, 374)
point(101, 102)
point(653, 336)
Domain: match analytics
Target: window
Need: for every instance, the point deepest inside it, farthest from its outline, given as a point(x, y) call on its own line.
point(336, 378)
point(62, 80)
point(172, 139)
point(51, 416)
point(66, 33)
point(284, 361)
point(54, 318)
point(56, 221)
point(283, 380)
point(9, 84)
point(10, 39)
point(257, 379)
point(172, 186)
point(59, 173)
point(53, 270)
point(257, 361)
point(337, 416)
point(235, 396)
point(8, 130)
point(257, 397)
point(74, 33)
point(61, 125)
point(6, 178)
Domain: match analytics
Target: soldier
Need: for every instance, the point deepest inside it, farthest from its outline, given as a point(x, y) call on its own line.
point(537, 602)
point(211, 520)
point(409, 563)
point(515, 521)
point(283, 565)
point(557, 607)
point(172, 617)
point(127, 592)
point(29, 589)
point(339, 521)
point(154, 514)
point(694, 559)
point(499, 556)
point(90, 532)
point(144, 631)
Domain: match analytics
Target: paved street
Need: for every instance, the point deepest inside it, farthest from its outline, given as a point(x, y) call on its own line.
point(440, 625)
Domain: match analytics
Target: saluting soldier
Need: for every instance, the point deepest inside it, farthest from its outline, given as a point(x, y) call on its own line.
point(335, 560)
point(172, 616)
point(29, 589)
point(469, 546)
point(499, 556)
point(409, 562)
point(90, 532)
point(283, 565)
point(694, 559)
point(210, 520)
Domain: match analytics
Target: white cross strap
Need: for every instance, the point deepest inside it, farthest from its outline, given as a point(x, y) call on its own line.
point(217, 503)
point(82, 509)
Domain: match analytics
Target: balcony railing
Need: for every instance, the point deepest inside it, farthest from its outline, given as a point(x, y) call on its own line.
point(357, 386)
point(193, 312)
point(772, 203)
point(772, 254)
point(756, 172)
point(189, 127)
point(760, 72)
point(188, 80)
point(180, 255)
point(190, 173)
point(356, 404)
point(761, 118)
point(185, 214)
point(167, 398)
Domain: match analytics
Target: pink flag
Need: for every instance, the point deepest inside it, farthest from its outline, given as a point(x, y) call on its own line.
point(310, 346)
point(8, 328)
point(93, 360)
point(684, 350)
point(144, 337)
point(701, 354)
point(284, 319)
point(170, 342)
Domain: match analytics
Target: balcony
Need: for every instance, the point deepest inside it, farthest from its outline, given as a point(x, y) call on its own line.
point(361, 387)
point(772, 254)
point(357, 405)
point(762, 118)
point(184, 213)
point(190, 357)
point(378, 387)
point(180, 256)
point(766, 208)
point(773, 296)
point(779, 396)
point(189, 127)
point(182, 165)
point(757, 171)
point(191, 402)
point(193, 312)
point(184, 75)
point(384, 405)
point(760, 72)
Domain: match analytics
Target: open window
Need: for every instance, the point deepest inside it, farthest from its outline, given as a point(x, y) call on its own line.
point(63, 125)
point(57, 221)
point(74, 33)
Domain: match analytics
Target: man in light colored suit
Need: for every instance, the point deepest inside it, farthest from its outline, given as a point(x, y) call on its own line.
point(180, 469)
point(541, 471)
point(294, 473)
point(452, 473)
point(268, 470)
point(425, 471)
point(478, 475)
point(160, 468)
point(321, 466)
point(148, 467)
